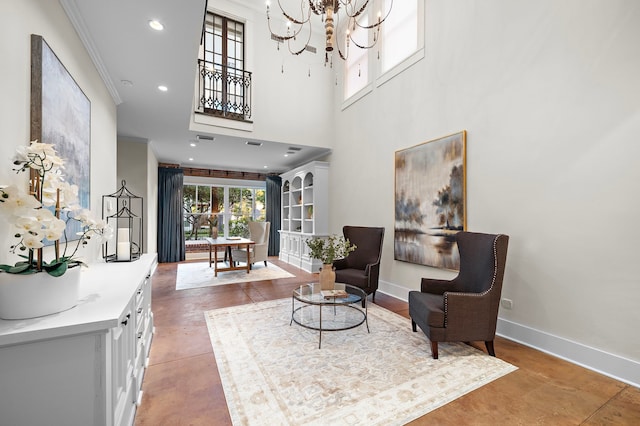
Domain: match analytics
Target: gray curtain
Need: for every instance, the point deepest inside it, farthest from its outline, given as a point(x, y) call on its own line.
point(170, 221)
point(274, 203)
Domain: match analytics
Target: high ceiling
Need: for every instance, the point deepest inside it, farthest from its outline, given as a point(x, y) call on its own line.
point(134, 60)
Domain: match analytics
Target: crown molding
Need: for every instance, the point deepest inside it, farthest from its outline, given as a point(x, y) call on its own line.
point(73, 13)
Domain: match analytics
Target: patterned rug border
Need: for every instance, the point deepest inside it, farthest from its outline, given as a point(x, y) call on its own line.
point(206, 279)
point(257, 369)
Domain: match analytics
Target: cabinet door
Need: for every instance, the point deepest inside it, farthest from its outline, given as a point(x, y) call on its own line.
point(123, 359)
point(53, 382)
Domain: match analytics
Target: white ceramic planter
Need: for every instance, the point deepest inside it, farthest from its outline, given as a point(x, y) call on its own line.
point(36, 295)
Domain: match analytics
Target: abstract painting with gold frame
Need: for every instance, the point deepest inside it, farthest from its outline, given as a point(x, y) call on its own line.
point(430, 201)
point(61, 115)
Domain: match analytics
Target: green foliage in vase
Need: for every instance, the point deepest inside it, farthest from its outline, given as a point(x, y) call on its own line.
point(329, 249)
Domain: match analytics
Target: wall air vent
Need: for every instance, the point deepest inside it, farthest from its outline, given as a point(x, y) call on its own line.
point(294, 148)
point(308, 48)
point(205, 138)
point(252, 143)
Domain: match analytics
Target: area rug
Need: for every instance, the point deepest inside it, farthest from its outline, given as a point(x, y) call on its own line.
point(199, 274)
point(274, 374)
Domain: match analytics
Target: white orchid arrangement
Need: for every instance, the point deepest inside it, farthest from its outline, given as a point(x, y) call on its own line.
point(32, 216)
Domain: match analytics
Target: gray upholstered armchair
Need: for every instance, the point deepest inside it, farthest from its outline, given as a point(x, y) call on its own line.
point(464, 309)
point(361, 267)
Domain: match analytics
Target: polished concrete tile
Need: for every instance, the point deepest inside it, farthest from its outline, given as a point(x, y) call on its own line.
point(182, 385)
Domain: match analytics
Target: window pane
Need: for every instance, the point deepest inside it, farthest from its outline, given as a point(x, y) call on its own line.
point(204, 196)
point(220, 93)
point(231, 50)
point(189, 198)
point(235, 198)
point(238, 221)
point(217, 199)
point(357, 63)
point(400, 33)
point(190, 210)
point(205, 210)
point(260, 210)
point(217, 46)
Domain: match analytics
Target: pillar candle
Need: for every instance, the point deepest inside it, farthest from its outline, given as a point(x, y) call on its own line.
point(124, 250)
point(123, 235)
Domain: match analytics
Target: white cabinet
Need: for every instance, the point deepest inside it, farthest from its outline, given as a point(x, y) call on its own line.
point(130, 342)
point(305, 210)
point(83, 366)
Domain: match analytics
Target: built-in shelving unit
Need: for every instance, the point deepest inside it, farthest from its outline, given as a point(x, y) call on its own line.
point(305, 208)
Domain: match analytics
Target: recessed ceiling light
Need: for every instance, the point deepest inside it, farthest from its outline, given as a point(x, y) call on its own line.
point(193, 144)
point(163, 88)
point(156, 25)
point(190, 159)
point(266, 167)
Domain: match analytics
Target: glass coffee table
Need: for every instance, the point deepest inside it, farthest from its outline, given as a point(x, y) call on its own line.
point(342, 309)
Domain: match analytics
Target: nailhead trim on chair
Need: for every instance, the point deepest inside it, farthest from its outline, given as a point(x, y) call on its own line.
point(495, 272)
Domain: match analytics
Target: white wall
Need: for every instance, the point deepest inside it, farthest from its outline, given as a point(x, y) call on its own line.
point(290, 107)
point(151, 202)
point(18, 20)
point(548, 92)
point(138, 166)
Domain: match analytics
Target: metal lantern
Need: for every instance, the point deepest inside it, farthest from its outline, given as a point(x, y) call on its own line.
point(123, 212)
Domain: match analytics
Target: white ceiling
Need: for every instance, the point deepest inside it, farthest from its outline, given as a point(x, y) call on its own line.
point(125, 48)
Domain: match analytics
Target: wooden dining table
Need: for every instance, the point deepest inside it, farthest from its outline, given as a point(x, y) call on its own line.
point(228, 244)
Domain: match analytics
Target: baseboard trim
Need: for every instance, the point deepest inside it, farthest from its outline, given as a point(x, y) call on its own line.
point(610, 365)
point(393, 290)
point(614, 366)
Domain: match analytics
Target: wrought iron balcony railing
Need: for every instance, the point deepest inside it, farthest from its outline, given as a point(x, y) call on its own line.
point(224, 91)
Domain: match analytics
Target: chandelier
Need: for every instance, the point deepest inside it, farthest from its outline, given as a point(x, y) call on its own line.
point(355, 12)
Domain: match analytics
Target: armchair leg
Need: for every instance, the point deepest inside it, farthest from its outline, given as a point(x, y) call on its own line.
point(434, 350)
point(373, 298)
point(265, 263)
point(413, 325)
point(489, 345)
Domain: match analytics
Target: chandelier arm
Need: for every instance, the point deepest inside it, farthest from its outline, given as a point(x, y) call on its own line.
point(278, 36)
point(313, 8)
point(365, 46)
point(378, 23)
point(353, 6)
point(287, 37)
point(291, 18)
point(342, 56)
point(304, 47)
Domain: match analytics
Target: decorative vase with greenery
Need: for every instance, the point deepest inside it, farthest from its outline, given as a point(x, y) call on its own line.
point(213, 226)
point(327, 250)
point(35, 215)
